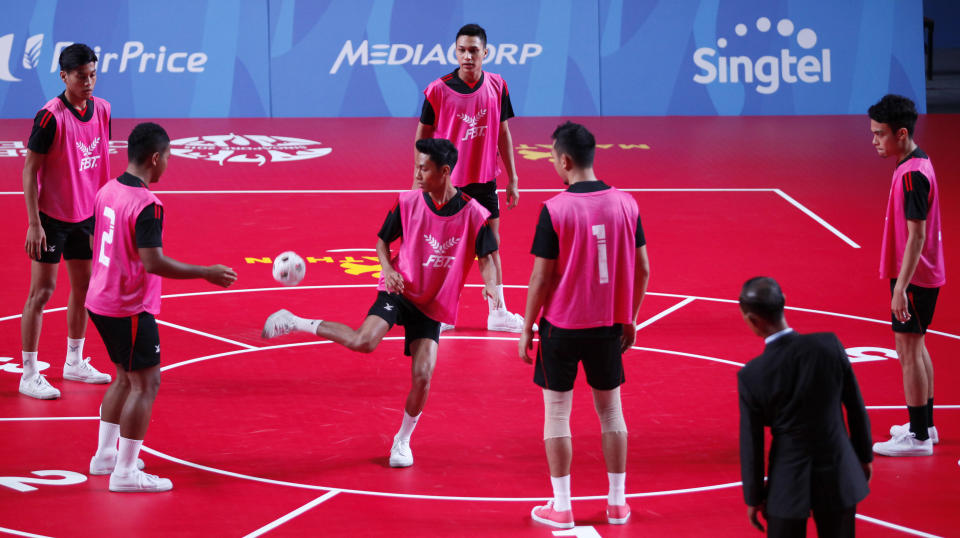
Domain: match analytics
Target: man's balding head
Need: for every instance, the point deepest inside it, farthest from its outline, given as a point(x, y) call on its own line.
point(761, 297)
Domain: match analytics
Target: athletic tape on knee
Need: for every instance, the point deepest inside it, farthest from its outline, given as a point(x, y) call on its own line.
point(556, 413)
point(609, 410)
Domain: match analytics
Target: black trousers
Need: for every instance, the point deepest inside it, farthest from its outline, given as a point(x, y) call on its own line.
point(829, 525)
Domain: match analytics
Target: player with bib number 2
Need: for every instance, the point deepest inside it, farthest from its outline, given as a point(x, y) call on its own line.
point(124, 297)
point(589, 277)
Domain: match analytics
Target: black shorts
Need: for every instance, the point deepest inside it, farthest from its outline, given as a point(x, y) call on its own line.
point(561, 349)
point(68, 239)
point(397, 310)
point(921, 303)
point(486, 194)
point(133, 342)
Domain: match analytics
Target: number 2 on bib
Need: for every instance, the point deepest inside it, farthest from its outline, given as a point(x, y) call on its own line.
point(107, 237)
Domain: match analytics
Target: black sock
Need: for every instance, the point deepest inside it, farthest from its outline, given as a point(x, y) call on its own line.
point(918, 421)
point(930, 412)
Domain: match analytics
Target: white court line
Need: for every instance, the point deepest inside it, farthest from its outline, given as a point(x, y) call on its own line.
point(691, 355)
point(665, 313)
point(31, 419)
point(816, 217)
point(208, 335)
point(394, 191)
point(291, 515)
point(21, 533)
point(901, 406)
point(894, 526)
point(352, 250)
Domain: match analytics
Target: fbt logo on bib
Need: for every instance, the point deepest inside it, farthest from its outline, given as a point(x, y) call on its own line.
point(767, 72)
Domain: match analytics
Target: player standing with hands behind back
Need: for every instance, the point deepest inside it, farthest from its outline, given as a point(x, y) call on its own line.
point(470, 108)
point(123, 299)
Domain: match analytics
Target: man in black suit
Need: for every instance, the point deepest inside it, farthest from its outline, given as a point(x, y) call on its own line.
point(796, 387)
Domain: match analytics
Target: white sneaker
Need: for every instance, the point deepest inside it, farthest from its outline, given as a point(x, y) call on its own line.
point(898, 429)
point(105, 464)
point(278, 324)
point(444, 327)
point(905, 444)
point(502, 320)
point(400, 453)
point(138, 481)
point(38, 387)
point(85, 373)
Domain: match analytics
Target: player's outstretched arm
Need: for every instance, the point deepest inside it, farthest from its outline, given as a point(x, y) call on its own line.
point(156, 263)
point(36, 239)
point(391, 278)
point(505, 146)
point(541, 279)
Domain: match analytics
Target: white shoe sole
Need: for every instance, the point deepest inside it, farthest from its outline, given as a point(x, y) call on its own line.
point(399, 464)
point(47, 396)
point(616, 521)
point(90, 380)
point(164, 485)
point(894, 453)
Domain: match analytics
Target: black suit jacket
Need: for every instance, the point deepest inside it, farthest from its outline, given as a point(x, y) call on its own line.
point(796, 387)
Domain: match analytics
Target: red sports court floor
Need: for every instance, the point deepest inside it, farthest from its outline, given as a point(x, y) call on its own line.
point(290, 437)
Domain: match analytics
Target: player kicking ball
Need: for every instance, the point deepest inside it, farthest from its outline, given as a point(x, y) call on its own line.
point(124, 297)
point(442, 231)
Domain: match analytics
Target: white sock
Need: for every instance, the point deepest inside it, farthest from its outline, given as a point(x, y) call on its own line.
point(127, 456)
point(306, 325)
point(107, 440)
point(74, 350)
point(407, 426)
point(29, 364)
point(492, 303)
point(617, 495)
point(561, 493)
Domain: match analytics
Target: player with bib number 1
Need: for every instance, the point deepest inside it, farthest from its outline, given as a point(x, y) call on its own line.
point(124, 297)
point(589, 277)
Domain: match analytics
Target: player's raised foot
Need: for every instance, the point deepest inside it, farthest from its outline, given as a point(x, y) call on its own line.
point(898, 429)
point(548, 516)
point(105, 464)
point(38, 387)
point(618, 515)
point(905, 444)
point(504, 321)
point(139, 481)
point(444, 327)
point(400, 453)
point(84, 372)
point(279, 323)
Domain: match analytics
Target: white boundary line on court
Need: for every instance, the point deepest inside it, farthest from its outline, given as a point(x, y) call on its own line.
point(201, 333)
point(21, 533)
point(896, 527)
point(32, 419)
point(276, 523)
point(777, 191)
point(653, 319)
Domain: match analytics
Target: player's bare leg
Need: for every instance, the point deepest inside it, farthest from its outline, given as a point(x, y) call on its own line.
point(559, 448)
point(134, 420)
point(43, 282)
point(422, 364)
point(75, 367)
point(105, 459)
point(915, 440)
point(499, 318)
point(363, 340)
point(614, 435)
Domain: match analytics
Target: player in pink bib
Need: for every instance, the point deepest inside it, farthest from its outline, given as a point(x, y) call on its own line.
point(589, 277)
point(441, 230)
point(470, 108)
point(67, 161)
point(911, 258)
point(123, 299)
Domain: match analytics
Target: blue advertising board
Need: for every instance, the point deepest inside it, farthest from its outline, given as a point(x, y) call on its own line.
point(369, 58)
point(177, 58)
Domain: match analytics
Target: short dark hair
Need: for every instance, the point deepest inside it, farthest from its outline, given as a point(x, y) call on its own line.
point(896, 111)
point(440, 150)
point(762, 297)
point(576, 141)
point(75, 56)
point(145, 140)
point(473, 30)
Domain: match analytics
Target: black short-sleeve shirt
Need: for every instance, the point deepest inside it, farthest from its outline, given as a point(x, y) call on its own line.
point(149, 227)
point(546, 242)
point(45, 125)
point(392, 228)
point(429, 117)
point(916, 190)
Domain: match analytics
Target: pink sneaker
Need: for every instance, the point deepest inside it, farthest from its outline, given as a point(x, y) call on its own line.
point(548, 516)
point(618, 515)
